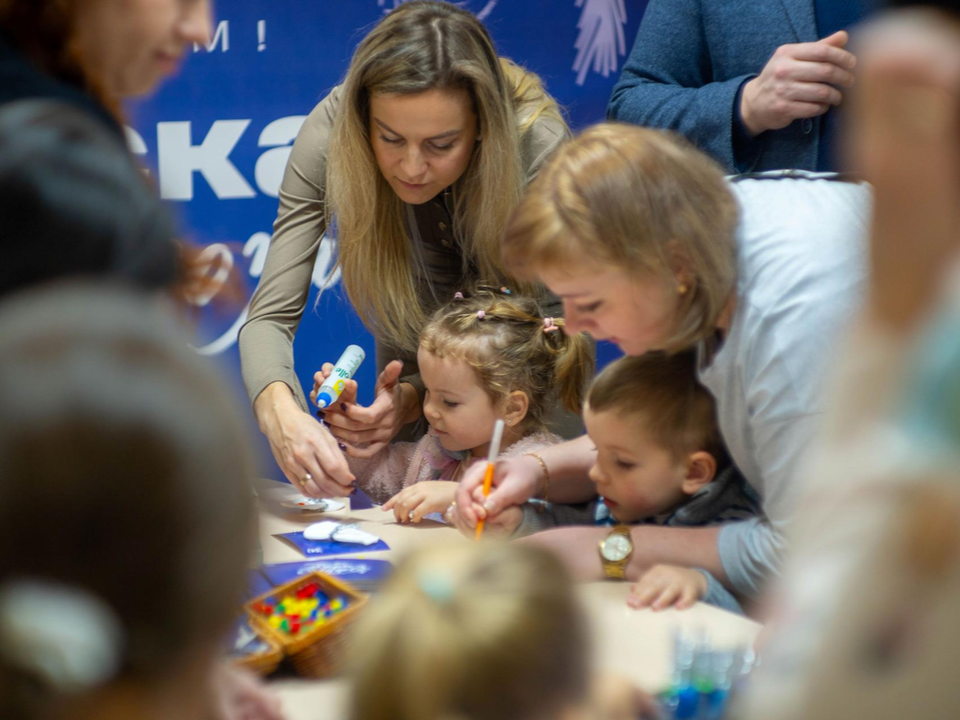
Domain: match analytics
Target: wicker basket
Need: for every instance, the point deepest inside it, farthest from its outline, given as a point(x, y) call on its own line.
point(319, 651)
point(262, 663)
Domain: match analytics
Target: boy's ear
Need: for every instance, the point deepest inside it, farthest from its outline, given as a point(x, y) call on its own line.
point(701, 469)
point(515, 409)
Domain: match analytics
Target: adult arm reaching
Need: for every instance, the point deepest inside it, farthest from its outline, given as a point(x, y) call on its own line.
point(516, 480)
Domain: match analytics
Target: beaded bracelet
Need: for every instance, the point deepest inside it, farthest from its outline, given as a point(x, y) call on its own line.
point(546, 473)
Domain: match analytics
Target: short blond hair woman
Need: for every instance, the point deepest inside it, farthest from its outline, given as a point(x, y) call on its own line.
point(420, 156)
point(648, 246)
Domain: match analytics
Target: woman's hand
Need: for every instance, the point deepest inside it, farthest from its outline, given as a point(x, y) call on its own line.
point(664, 586)
point(515, 480)
point(395, 404)
point(415, 501)
point(306, 452)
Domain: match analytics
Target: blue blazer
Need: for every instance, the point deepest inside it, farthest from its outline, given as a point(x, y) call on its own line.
point(689, 60)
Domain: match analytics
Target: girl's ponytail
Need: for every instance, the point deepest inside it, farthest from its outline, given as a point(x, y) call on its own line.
point(572, 364)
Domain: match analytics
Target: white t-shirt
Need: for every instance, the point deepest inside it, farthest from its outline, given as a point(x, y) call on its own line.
point(802, 265)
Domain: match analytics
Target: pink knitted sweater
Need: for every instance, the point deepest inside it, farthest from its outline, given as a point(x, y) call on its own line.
point(402, 464)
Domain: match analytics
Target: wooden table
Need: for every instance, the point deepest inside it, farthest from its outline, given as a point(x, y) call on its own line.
point(635, 644)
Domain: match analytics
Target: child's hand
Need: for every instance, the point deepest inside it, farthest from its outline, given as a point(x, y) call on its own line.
point(663, 586)
point(412, 503)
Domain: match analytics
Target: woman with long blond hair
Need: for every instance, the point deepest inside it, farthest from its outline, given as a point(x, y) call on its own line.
point(419, 157)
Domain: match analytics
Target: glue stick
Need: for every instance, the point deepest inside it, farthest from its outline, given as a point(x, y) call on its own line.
point(344, 369)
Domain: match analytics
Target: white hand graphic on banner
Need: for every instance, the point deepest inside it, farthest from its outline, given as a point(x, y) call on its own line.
point(601, 40)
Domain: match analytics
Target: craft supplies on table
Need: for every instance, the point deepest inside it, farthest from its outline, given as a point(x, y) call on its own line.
point(363, 574)
point(703, 677)
point(332, 538)
point(310, 618)
point(305, 503)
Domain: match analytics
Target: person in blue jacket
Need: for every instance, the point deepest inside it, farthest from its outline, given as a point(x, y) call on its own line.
point(753, 84)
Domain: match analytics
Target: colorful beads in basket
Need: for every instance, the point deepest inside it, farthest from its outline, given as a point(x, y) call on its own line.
point(308, 607)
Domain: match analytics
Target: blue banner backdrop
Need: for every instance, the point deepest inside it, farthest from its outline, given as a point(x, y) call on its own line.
point(217, 137)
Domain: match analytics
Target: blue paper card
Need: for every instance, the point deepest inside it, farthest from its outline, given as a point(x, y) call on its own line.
point(359, 500)
point(326, 548)
point(363, 574)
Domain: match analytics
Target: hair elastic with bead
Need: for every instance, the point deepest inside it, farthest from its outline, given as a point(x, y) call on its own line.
point(549, 325)
point(64, 634)
point(481, 314)
point(436, 585)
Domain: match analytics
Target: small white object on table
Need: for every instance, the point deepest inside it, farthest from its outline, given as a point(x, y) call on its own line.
point(635, 644)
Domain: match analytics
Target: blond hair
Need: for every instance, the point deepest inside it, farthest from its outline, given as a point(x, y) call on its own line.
point(487, 631)
point(662, 394)
point(511, 348)
point(423, 46)
point(639, 199)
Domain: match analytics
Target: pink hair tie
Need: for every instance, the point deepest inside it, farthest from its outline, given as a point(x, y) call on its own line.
point(549, 325)
point(458, 296)
point(481, 314)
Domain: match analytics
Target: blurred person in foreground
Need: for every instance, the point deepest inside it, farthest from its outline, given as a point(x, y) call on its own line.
point(75, 208)
point(486, 631)
point(94, 53)
point(865, 620)
point(126, 517)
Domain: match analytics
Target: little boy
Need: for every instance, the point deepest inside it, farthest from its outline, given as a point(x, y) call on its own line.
point(660, 459)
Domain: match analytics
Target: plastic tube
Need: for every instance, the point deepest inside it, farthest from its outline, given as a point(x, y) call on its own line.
point(345, 368)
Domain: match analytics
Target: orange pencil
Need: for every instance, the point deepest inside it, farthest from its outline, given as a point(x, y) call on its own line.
point(491, 461)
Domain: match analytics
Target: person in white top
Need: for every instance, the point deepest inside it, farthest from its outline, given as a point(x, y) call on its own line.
point(650, 247)
point(801, 266)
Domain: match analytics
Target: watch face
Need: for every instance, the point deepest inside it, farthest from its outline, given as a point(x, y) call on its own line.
point(616, 547)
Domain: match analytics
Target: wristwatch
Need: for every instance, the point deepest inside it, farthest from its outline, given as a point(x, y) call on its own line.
point(615, 552)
